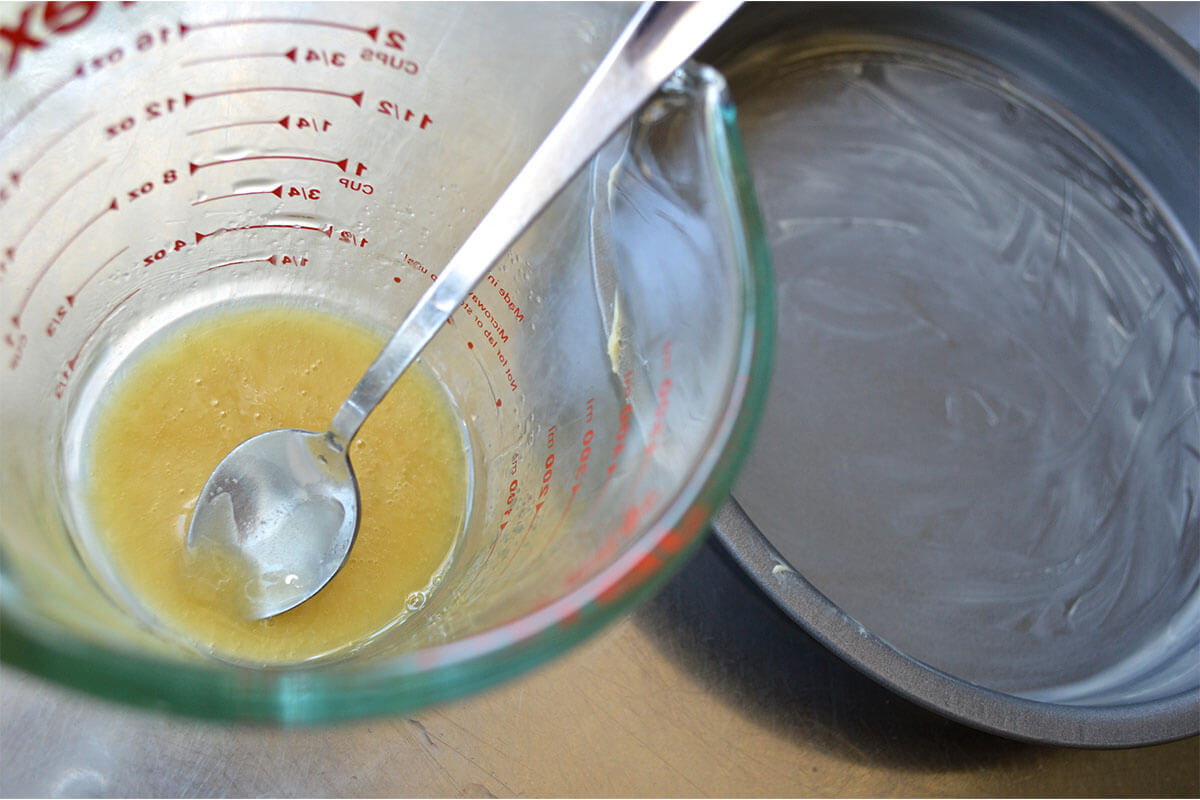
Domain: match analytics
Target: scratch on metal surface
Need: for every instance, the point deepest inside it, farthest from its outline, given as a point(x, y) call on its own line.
point(469, 759)
point(699, 792)
point(1064, 235)
point(431, 755)
point(787, 226)
point(480, 767)
point(425, 733)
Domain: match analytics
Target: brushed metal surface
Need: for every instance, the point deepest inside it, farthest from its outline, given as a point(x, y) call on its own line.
point(707, 690)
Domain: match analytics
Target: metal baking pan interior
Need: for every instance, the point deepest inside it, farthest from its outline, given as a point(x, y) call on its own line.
point(977, 474)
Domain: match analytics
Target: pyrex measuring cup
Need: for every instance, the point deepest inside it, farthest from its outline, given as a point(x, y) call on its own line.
point(162, 160)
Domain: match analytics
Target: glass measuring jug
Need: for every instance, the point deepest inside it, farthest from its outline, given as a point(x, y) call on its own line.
point(161, 161)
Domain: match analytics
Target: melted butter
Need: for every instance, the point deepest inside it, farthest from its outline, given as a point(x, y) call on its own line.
point(204, 388)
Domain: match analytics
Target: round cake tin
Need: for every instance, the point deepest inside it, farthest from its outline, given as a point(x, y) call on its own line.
point(977, 475)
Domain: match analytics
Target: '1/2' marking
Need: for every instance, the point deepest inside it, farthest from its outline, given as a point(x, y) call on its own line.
point(16, 318)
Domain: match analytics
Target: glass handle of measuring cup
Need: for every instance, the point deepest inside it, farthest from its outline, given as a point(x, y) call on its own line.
point(657, 40)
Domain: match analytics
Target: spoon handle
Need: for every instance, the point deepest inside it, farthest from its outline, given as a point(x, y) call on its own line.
point(659, 37)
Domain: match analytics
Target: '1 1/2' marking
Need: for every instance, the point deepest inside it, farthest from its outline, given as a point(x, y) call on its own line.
point(393, 110)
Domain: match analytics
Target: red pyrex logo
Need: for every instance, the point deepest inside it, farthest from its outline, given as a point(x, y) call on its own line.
point(38, 23)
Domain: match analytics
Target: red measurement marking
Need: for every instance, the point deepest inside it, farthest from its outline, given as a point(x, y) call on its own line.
point(290, 54)
point(486, 559)
point(71, 297)
point(277, 191)
point(267, 260)
point(591, 512)
point(88, 338)
point(658, 428)
point(38, 217)
point(581, 468)
point(185, 29)
point(284, 122)
point(327, 231)
point(49, 144)
point(393, 110)
point(192, 167)
point(16, 318)
point(188, 99)
point(496, 541)
point(28, 108)
point(349, 237)
point(547, 476)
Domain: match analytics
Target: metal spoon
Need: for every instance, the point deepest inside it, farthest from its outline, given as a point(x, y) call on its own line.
point(285, 503)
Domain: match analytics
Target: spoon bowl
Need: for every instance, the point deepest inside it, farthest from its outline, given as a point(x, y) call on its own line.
point(285, 503)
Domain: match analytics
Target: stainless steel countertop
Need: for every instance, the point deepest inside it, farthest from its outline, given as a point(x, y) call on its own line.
point(705, 690)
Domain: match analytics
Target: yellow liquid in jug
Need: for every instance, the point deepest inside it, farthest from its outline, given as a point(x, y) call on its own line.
point(180, 407)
